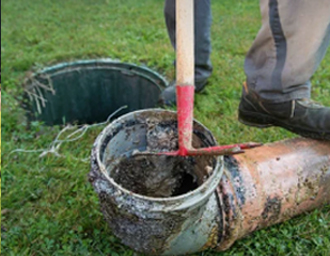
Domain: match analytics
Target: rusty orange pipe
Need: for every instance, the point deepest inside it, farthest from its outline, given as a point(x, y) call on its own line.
point(271, 184)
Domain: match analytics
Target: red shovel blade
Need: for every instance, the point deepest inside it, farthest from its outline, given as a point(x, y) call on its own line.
point(185, 109)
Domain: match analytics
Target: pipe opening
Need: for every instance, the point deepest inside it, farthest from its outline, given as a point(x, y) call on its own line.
point(154, 175)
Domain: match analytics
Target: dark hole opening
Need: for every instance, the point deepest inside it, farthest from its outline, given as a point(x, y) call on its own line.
point(89, 91)
point(187, 184)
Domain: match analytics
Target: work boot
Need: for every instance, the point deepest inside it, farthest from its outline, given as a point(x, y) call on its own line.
point(168, 96)
point(302, 116)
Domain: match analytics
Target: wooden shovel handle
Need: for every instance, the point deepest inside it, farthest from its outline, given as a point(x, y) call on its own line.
point(185, 42)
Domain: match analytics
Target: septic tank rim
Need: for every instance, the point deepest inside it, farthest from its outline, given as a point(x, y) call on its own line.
point(108, 61)
point(110, 78)
point(161, 204)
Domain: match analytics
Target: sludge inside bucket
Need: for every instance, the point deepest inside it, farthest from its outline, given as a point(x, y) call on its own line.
point(89, 91)
point(153, 175)
point(148, 202)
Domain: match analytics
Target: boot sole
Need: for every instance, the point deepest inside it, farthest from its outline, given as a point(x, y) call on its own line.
point(255, 120)
point(263, 121)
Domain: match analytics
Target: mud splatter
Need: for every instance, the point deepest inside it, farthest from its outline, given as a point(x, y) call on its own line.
point(272, 209)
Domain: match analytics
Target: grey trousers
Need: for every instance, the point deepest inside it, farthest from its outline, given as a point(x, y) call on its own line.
point(289, 47)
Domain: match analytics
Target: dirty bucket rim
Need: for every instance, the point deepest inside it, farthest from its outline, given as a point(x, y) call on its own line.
point(200, 193)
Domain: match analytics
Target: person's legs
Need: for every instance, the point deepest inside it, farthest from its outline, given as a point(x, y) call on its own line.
point(288, 49)
point(203, 20)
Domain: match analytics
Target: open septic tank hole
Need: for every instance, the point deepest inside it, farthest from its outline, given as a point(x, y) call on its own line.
point(154, 175)
point(89, 91)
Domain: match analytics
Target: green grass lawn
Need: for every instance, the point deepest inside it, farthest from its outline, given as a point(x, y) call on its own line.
point(48, 206)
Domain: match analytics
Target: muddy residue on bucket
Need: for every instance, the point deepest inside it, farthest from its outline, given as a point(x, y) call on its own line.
point(162, 176)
